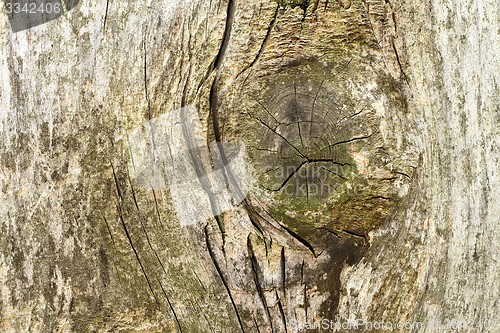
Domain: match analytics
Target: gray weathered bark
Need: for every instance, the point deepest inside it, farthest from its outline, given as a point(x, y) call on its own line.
point(370, 130)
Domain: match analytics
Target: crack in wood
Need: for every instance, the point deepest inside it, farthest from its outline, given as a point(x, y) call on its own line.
point(313, 105)
point(403, 174)
point(305, 288)
point(265, 109)
point(282, 312)
point(297, 113)
point(109, 230)
point(289, 177)
point(260, 292)
point(231, 9)
point(300, 239)
point(266, 40)
point(350, 116)
point(157, 209)
point(331, 232)
point(352, 233)
point(216, 63)
point(219, 272)
point(332, 172)
point(263, 46)
point(315, 7)
point(350, 140)
point(169, 304)
point(283, 272)
point(143, 227)
point(198, 279)
point(256, 325)
point(133, 193)
point(278, 134)
point(146, 80)
point(116, 182)
point(398, 60)
point(127, 234)
point(105, 16)
point(306, 162)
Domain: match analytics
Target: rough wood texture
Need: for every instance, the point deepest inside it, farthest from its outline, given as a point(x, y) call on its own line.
point(370, 129)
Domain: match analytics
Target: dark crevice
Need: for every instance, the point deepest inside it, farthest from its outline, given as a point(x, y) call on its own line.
point(133, 193)
point(213, 98)
point(255, 215)
point(301, 240)
point(289, 177)
point(304, 7)
point(216, 63)
point(151, 246)
point(283, 272)
point(331, 232)
point(264, 44)
point(157, 209)
point(256, 225)
point(305, 300)
point(113, 241)
point(116, 183)
point(352, 233)
point(329, 160)
point(209, 324)
point(205, 78)
point(297, 114)
point(255, 272)
point(297, 169)
point(315, 7)
point(403, 174)
point(109, 230)
point(198, 279)
point(217, 268)
point(105, 16)
point(214, 112)
point(398, 60)
point(251, 210)
point(198, 165)
point(256, 325)
point(349, 117)
point(265, 109)
point(313, 104)
point(282, 313)
point(169, 305)
point(222, 229)
point(146, 80)
point(266, 39)
point(336, 174)
point(136, 254)
point(185, 89)
point(305, 288)
point(350, 140)
point(143, 227)
point(231, 8)
point(275, 132)
point(378, 197)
